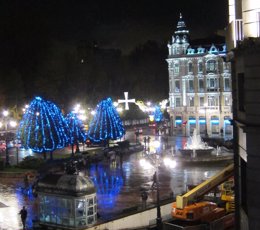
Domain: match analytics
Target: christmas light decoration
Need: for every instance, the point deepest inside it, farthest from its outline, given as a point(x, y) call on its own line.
point(107, 183)
point(43, 127)
point(77, 129)
point(158, 116)
point(106, 124)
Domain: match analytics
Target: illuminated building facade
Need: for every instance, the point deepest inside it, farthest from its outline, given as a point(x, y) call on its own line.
point(244, 46)
point(199, 86)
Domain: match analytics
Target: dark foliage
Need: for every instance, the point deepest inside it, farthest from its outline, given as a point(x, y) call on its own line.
point(31, 162)
point(87, 73)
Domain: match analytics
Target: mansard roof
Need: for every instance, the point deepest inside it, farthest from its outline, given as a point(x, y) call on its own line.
point(207, 49)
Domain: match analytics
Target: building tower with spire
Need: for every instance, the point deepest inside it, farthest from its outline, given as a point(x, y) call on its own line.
point(199, 86)
point(180, 39)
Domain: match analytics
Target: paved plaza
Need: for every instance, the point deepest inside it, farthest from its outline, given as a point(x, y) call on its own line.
point(118, 186)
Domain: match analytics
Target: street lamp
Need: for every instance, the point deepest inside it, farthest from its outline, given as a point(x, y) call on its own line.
point(5, 124)
point(206, 129)
point(5, 114)
point(155, 164)
point(158, 206)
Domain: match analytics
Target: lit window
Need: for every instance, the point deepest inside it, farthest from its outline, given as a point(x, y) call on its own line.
point(191, 86)
point(177, 86)
point(176, 68)
point(212, 84)
point(190, 67)
point(227, 101)
point(201, 101)
point(200, 67)
point(211, 66)
point(177, 102)
point(191, 101)
point(226, 84)
point(201, 85)
point(212, 101)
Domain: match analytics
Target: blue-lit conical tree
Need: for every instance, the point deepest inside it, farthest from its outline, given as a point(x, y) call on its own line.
point(43, 127)
point(106, 124)
point(158, 116)
point(77, 131)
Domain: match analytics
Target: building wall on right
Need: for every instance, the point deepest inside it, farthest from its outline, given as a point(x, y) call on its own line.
point(246, 116)
point(244, 51)
point(251, 16)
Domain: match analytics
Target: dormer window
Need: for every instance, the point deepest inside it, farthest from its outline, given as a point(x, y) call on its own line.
point(213, 49)
point(201, 50)
point(191, 51)
point(177, 39)
point(211, 66)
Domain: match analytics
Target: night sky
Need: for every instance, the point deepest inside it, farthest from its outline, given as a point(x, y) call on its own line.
point(28, 28)
point(113, 23)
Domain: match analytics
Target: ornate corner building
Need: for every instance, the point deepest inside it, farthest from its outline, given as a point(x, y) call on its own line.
point(199, 86)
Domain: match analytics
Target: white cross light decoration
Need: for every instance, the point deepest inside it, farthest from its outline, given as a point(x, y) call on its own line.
point(126, 101)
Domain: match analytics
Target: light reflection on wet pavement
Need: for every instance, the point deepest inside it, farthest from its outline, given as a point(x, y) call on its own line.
point(118, 188)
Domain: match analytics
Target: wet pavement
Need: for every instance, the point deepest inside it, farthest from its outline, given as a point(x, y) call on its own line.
point(118, 185)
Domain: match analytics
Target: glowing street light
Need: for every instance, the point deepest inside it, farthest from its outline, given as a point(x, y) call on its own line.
point(25, 108)
point(119, 109)
point(115, 103)
point(13, 124)
point(5, 123)
point(156, 144)
point(5, 113)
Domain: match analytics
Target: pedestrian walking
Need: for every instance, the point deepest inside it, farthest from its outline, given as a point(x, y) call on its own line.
point(26, 181)
point(144, 196)
point(154, 181)
point(23, 214)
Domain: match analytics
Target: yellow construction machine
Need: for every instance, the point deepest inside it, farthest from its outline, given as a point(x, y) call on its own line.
point(190, 207)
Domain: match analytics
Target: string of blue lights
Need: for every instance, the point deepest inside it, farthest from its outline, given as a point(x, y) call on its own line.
point(78, 132)
point(43, 127)
point(158, 116)
point(106, 124)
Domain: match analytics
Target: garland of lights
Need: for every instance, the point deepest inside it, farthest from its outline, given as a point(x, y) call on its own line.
point(158, 116)
point(76, 127)
point(106, 123)
point(43, 127)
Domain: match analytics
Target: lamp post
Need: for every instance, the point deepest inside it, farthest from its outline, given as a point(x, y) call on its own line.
point(206, 129)
point(154, 161)
point(158, 206)
point(5, 115)
point(6, 134)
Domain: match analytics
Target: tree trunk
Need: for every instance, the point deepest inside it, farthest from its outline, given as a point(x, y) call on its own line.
point(44, 156)
point(77, 147)
point(72, 150)
point(51, 155)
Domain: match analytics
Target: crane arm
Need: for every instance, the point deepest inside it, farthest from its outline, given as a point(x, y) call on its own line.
point(205, 187)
